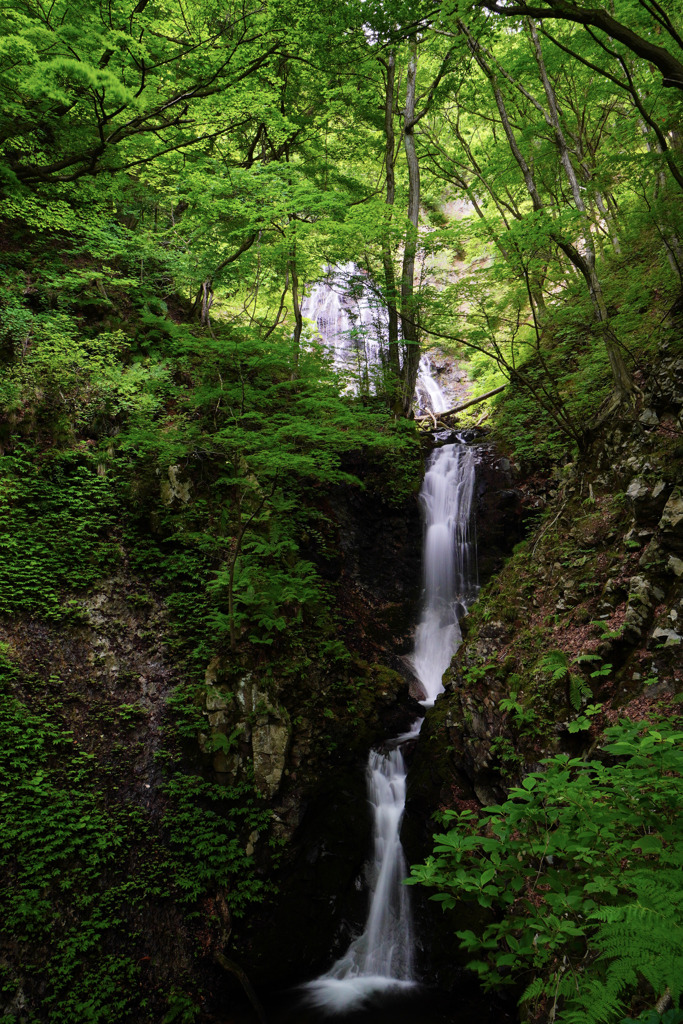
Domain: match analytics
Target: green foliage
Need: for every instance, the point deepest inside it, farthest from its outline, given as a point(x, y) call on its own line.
point(66, 896)
point(578, 689)
point(58, 535)
point(556, 663)
point(82, 874)
point(163, 456)
point(558, 666)
point(652, 1017)
point(205, 827)
point(584, 863)
point(182, 1008)
point(521, 716)
point(583, 722)
point(167, 175)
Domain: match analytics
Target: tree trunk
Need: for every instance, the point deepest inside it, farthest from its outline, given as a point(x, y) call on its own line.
point(207, 301)
point(623, 384)
point(298, 319)
point(387, 257)
point(408, 305)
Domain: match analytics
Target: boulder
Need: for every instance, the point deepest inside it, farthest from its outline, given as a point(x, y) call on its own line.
point(649, 418)
point(640, 601)
point(173, 488)
point(269, 742)
point(647, 502)
point(666, 637)
point(671, 522)
point(675, 565)
point(264, 728)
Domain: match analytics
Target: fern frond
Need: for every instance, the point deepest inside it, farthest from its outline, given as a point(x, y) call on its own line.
point(538, 987)
point(598, 1003)
point(645, 937)
point(556, 664)
point(578, 689)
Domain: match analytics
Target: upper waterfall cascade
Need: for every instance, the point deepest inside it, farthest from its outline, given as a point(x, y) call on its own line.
point(380, 959)
point(351, 320)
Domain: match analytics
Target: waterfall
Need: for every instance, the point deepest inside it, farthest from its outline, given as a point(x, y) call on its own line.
point(430, 388)
point(449, 559)
point(381, 958)
point(350, 322)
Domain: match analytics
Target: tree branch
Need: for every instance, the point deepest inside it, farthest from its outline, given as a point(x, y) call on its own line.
point(669, 67)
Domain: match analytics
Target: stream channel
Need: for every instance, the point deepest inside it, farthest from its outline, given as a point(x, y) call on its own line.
point(375, 980)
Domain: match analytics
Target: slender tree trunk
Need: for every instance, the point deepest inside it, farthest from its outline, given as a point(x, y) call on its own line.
point(387, 257)
point(674, 253)
point(583, 262)
point(623, 383)
point(387, 260)
point(298, 319)
point(207, 300)
point(606, 215)
point(408, 304)
point(296, 306)
point(511, 255)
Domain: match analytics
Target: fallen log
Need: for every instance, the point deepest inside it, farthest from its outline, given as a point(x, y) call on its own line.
point(463, 405)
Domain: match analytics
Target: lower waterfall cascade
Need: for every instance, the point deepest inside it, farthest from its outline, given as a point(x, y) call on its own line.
point(381, 957)
point(379, 961)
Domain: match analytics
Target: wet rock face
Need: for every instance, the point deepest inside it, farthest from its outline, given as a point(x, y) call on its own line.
point(500, 513)
point(502, 508)
point(301, 730)
point(380, 545)
point(444, 772)
point(106, 677)
point(321, 899)
point(308, 738)
point(321, 814)
point(380, 561)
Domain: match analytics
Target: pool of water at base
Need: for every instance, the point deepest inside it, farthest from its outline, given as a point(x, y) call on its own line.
point(419, 1005)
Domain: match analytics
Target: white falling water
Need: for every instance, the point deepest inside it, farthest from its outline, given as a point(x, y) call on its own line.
point(450, 572)
point(381, 958)
point(431, 390)
point(351, 322)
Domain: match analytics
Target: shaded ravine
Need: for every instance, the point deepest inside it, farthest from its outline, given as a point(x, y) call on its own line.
point(380, 960)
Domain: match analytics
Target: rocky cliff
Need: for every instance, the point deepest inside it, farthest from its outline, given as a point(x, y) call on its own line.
point(582, 625)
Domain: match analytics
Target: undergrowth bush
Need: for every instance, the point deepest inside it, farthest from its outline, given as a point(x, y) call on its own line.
point(583, 865)
point(58, 521)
